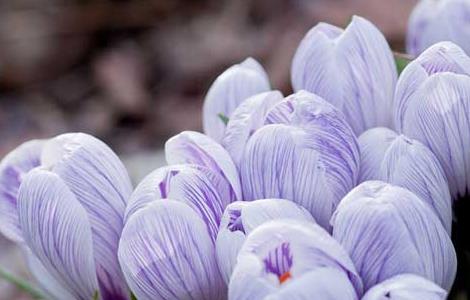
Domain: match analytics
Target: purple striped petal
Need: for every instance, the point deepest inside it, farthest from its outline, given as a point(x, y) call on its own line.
point(13, 167)
point(310, 157)
point(190, 147)
point(166, 253)
point(57, 230)
point(352, 69)
point(434, 21)
point(439, 58)
point(206, 192)
point(242, 217)
point(387, 230)
point(406, 287)
point(411, 165)
point(99, 181)
point(230, 89)
point(438, 117)
point(373, 144)
point(245, 120)
point(49, 285)
point(278, 253)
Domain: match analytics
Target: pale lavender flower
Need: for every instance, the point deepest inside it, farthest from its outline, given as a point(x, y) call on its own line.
point(71, 213)
point(440, 58)
point(230, 89)
point(241, 218)
point(352, 69)
point(408, 163)
point(207, 192)
point(190, 147)
point(13, 168)
point(245, 120)
point(406, 287)
point(387, 230)
point(306, 152)
point(433, 105)
point(289, 259)
point(166, 253)
point(433, 21)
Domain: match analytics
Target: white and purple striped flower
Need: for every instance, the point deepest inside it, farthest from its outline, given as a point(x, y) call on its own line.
point(305, 152)
point(230, 89)
point(71, 211)
point(352, 69)
point(241, 218)
point(405, 162)
point(434, 21)
point(166, 252)
point(432, 105)
point(290, 259)
point(387, 231)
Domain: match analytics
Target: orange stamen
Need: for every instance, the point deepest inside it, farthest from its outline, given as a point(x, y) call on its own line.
point(284, 277)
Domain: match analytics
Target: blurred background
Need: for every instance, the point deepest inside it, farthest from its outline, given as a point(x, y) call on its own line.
point(134, 73)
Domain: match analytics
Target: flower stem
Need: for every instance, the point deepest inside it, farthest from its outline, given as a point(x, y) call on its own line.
point(21, 284)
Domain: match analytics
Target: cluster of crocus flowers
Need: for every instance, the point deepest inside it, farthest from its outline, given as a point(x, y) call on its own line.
point(342, 190)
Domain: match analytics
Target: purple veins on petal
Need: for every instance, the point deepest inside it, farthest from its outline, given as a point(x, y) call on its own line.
point(13, 167)
point(312, 147)
point(190, 147)
point(166, 253)
point(352, 69)
point(230, 89)
point(101, 185)
point(387, 230)
point(278, 255)
point(205, 191)
point(241, 218)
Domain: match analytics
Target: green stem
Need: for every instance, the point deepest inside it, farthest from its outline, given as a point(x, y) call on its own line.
point(21, 284)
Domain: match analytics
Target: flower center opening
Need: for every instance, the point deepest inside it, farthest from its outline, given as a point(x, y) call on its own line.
point(235, 222)
point(279, 262)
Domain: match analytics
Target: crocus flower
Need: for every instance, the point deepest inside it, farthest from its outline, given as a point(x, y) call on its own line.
point(241, 218)
point(387, 230)
point(306, 152)
point(229, 90)
point(71, 211)
point(439, 58)
point(433, 103)
point(406, 287)
point(190, 147)
point(408, 163)
point(289, 259)
point(12, 170)
point(166, 253)
point(434, 21)
point(353, 69)
point(207, 192)
point(245, 120)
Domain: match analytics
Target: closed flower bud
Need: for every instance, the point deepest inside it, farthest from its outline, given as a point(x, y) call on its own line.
point(205, 191)
point(71, 212)
point(289, 259)
point(229, 90)
point(387, 230)
point(352, 69)
point(13, 168)
point(435, 21)
point(306, 152)
point(166, 253)
point(433, 105)
point(241, 218)
point(408, 163)
point(190, 147)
